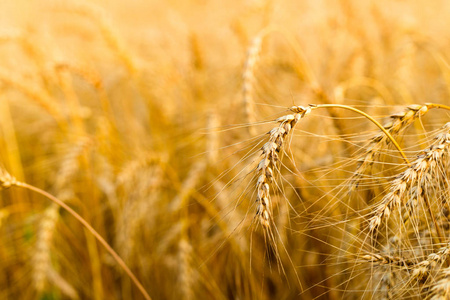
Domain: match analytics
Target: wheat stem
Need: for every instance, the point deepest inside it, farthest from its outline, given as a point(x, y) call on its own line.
point(102, 241)
point(436, 105)
point(391, 138)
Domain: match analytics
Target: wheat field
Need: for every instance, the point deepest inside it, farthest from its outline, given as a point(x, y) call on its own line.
point(199, 149)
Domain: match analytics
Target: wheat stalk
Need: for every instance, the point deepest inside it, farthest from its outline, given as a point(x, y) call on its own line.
point(7, 181)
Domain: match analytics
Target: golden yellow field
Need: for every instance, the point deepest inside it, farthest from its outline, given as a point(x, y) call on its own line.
point(197, 149)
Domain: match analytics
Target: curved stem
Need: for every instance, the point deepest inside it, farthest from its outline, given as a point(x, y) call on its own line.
point(93, 232)
point(372, 120)
point(436, 105)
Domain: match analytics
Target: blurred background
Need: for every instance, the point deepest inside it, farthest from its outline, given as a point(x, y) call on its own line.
point(146, 117)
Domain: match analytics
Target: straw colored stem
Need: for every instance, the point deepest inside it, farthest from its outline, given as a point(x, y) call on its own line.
point(93, 232)
point(372, 120)
point(436, 105)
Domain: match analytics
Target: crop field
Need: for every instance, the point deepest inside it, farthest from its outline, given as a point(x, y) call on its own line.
point(206, 149)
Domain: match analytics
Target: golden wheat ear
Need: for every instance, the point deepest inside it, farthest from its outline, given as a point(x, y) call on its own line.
point(415, 178)
point(267, 165)
point(8, 181)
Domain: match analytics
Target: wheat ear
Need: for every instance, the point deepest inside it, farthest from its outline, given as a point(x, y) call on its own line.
point(384, 259)
point(425, 165)
point(270, 153)
point(249, 79)
point(421, 271)
point(39, 96)
point(441, 290)
point(102, 20)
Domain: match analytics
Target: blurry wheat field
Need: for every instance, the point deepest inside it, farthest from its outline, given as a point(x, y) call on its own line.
point(251, 149)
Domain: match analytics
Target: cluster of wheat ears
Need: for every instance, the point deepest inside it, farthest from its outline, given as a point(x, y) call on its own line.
point(403, 241)
point(123, 174)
